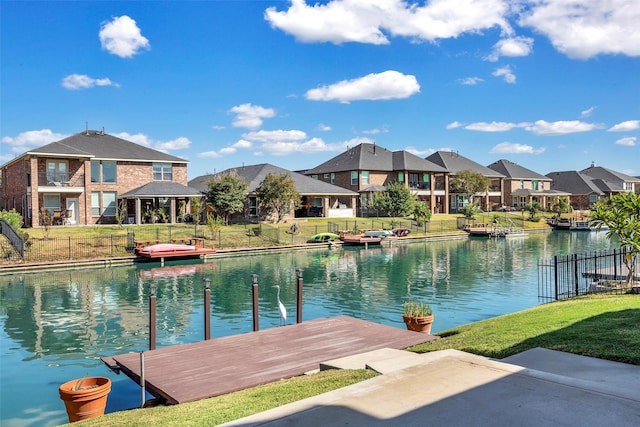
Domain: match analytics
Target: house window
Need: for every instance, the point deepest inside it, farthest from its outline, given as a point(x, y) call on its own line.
point(51, 202)
point(253, 206)
point(400, 176)
point(534, 185)
point(514, 201)
point(109, 203)
point(522, 183)
point(162, 172)
point(425, 178)
point(593, 198)
point(354, 177)
point(314, 177)
point(326, 176)
point(109, 172)
point(95, 203)
point(333, 178)
point(57, 171)
point(365, 177)
point(414, 181)
point(628, 186)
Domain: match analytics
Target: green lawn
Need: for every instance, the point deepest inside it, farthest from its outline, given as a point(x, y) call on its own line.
point(599, 326)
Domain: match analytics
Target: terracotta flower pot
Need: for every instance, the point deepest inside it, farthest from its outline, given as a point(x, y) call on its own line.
point(419, 324)
point(87, 402)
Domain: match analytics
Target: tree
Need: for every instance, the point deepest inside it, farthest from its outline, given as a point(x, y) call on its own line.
point(227, 195)
point(533, 208)
point(469, 183)
point(621, 214)
point(277, 195)
point(421, 212)
point(395, 201)
point(561, 206)
point(121, 212)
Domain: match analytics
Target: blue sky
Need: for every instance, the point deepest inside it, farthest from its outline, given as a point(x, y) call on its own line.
point(551, 85)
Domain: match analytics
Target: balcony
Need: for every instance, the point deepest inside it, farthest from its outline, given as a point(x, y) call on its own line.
point(60, 182)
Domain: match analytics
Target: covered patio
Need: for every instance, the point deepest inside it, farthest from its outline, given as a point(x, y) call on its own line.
point(159, 202)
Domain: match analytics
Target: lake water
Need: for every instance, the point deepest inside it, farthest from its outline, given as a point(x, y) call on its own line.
point(55, 325)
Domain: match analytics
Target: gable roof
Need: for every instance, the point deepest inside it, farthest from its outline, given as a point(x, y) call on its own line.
point(255, 174)
point(514, 171)
point(99, 145)
point(161, 189)
point(371, 157)
point(573, 182)
point(454, 163)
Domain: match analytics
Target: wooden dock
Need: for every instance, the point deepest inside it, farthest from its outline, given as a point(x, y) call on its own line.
point(188, 372)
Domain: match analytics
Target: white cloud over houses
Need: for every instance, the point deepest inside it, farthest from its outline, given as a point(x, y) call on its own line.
point(515, 148)
point(82, 81)
point(342, 21)
point(627, 126)
point(493, 126)
point(513, 46)
point(122, 37)
point(250, 116)
point(314, 145)
point(506, 74)
point(29, 139)
point(542, 127)
point(275, 135)
point(586, 28)
point(180, 143)
point(629, 141)
point(372, 87)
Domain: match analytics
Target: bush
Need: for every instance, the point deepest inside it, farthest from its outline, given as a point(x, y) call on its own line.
point(13, 218)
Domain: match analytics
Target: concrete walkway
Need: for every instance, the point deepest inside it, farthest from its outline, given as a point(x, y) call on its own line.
point(451, 388)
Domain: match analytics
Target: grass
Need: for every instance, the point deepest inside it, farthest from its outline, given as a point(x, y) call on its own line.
point(600, 326)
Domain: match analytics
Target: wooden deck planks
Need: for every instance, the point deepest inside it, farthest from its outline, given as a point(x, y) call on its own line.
point(188, 372)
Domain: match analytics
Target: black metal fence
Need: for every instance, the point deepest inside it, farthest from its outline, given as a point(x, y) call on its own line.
point(12, 236)
point(566, 276)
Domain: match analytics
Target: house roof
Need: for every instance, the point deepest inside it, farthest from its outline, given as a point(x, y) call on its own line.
point(514, 171)
point(611, 176)
point(161, 189)
point(255, 174)
point(99, 145)
point(573, 182)
point(371, 157)
point(454, 163)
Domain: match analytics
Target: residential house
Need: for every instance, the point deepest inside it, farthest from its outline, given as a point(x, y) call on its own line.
point(454, 163)
point(522, 186)
point(319, 199)
point(368, 168)
point(591, 185)
point(80, 180)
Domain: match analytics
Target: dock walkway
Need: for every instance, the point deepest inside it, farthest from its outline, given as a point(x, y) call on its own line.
point(189, 372)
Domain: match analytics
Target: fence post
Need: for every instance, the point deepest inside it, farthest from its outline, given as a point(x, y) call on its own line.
point(254, 288)
point(615, 264)
point(555, 274)
point(575, 272)
point(207, 308)
point(152, 317)
point(299, 296)
point(69, 249)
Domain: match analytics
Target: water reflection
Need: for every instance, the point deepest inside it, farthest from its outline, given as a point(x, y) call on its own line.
point(56, 325)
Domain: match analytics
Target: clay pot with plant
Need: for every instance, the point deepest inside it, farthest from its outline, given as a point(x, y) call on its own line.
point(85, 397)
point(418, 316)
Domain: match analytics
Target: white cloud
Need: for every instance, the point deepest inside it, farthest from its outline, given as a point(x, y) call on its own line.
point(454, 125)
point(514, 148)
point(243, 144)
point(493, 126)
point(82, 81)
point(341, 21)
point(382, 86)
point(420, 153)
point(629, 141)
point(627, 126)
point(588, 112)
point(209, 155)
point(586, 28)
point(122, 37)
point(513, 46)
point(506, 73)
point(250, 116)
point(542, 127)
point(323, 128)
point(217, 127)
point(179, 143)
point(376, 131)
point(31, 139)
point(275, 135)
point(470, 81)
point(314, 145)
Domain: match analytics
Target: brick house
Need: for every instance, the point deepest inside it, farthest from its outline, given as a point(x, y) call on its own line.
point(522, 186)
point(80, 180)
point(319, 199)
point(592, 184)
point(367, 168)
point(453, 163)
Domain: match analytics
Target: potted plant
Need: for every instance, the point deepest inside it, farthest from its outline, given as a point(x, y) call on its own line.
point(85, 397)
point(418, 316)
